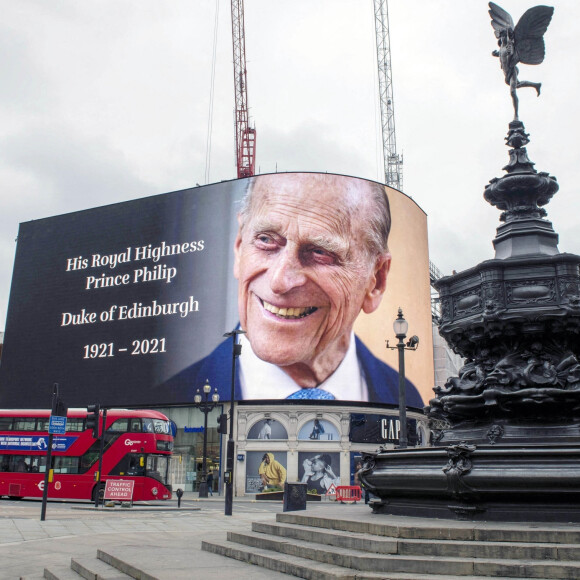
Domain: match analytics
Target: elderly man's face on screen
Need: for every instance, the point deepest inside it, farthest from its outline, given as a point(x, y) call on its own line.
point(305, 267)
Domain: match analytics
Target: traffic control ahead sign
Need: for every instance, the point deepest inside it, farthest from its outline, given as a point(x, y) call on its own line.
point(119, 489)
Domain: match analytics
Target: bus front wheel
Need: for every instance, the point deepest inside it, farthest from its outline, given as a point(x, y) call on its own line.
point(98, 489)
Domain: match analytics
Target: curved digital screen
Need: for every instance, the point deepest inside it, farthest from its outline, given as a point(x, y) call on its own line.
point(127, 304)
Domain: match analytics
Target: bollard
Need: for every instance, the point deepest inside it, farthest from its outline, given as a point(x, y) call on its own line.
point(179, 494)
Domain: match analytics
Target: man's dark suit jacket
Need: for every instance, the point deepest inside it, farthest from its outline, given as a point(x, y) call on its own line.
point(382, 381)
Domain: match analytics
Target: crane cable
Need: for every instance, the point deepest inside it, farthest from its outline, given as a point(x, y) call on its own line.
point(211, 95)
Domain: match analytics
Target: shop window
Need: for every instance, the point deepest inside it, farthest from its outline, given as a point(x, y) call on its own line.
point(268, 429)
point(319, 430)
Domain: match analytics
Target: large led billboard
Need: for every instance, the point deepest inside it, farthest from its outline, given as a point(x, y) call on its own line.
point(127, 304)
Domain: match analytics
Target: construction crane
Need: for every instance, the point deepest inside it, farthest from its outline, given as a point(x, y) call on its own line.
point(393, 163)
point(245, 135)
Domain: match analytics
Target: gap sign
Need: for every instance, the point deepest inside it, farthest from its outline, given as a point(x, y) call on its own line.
point(57, 425)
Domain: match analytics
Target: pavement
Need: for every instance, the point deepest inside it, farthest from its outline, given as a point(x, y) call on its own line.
point(158, 537)
point(163, 539)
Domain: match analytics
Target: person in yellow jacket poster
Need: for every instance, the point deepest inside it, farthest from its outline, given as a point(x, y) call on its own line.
point(271, 472)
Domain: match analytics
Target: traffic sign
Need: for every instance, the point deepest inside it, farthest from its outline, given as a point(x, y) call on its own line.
point(119, 489)
point(331, 489)
point(57, 425)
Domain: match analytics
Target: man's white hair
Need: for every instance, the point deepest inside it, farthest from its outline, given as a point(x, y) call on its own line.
point(379, 220)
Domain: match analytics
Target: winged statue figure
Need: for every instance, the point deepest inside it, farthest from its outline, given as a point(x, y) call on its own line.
point(523, 43)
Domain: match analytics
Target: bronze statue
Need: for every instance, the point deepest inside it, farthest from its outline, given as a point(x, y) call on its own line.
point(523, 43)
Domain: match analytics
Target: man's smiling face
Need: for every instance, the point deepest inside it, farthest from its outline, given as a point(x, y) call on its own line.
point(304, 269)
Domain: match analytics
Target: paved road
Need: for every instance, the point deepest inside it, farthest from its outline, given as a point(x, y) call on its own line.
point(167, 542)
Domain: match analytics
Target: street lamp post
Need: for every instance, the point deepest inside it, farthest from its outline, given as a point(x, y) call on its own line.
point(400, 326)
point(229, 475)
point(205, 406)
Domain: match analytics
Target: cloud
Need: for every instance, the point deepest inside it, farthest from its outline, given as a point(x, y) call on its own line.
point(23, 81)
point(52, 170)
point(69, 171)
point(311, 146)
point(104, 101)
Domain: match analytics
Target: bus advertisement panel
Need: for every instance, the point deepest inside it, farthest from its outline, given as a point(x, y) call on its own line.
point(128, 303)
point(137, 448)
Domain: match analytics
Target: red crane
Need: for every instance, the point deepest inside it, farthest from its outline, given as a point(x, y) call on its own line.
point(245, 135)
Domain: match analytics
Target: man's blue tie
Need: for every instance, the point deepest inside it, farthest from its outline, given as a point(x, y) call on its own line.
point(311, 394)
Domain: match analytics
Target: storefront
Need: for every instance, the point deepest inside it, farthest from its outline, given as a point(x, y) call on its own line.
point(187, 461)
point(304, 443)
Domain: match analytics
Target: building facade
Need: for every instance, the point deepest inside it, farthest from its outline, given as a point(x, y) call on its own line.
point(294, 435)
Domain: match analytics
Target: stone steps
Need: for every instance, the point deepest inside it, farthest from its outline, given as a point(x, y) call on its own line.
point(304, 568)
point(440, 529)
point(326, 548)
point(458, 548)
point(103, 567)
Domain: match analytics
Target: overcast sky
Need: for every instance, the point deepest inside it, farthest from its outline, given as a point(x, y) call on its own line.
point(102, 101)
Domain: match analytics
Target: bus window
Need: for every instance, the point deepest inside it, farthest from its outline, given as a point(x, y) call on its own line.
point(135, 426)
point(37, 463)
point(131, 464)
point(120, 425)
point(19, 464)
point(75, 424)
point(24, 424)
point(157, 467)
point(66, 464)
point(90, 457)
point(156, 426)
point(136, 465)
point(5, 423)
point(42, 424)
point(162, 427)
point(5, 463)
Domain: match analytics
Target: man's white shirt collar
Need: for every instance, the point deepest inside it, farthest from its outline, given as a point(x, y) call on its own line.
point(263, 380)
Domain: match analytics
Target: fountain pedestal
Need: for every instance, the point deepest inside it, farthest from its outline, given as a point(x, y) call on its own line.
point(507, 429)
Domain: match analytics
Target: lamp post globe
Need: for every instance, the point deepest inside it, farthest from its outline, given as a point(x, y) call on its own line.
point(400, 326)
point(205, 406)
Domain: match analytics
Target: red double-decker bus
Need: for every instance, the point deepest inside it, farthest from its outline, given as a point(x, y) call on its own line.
point(137, 446)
